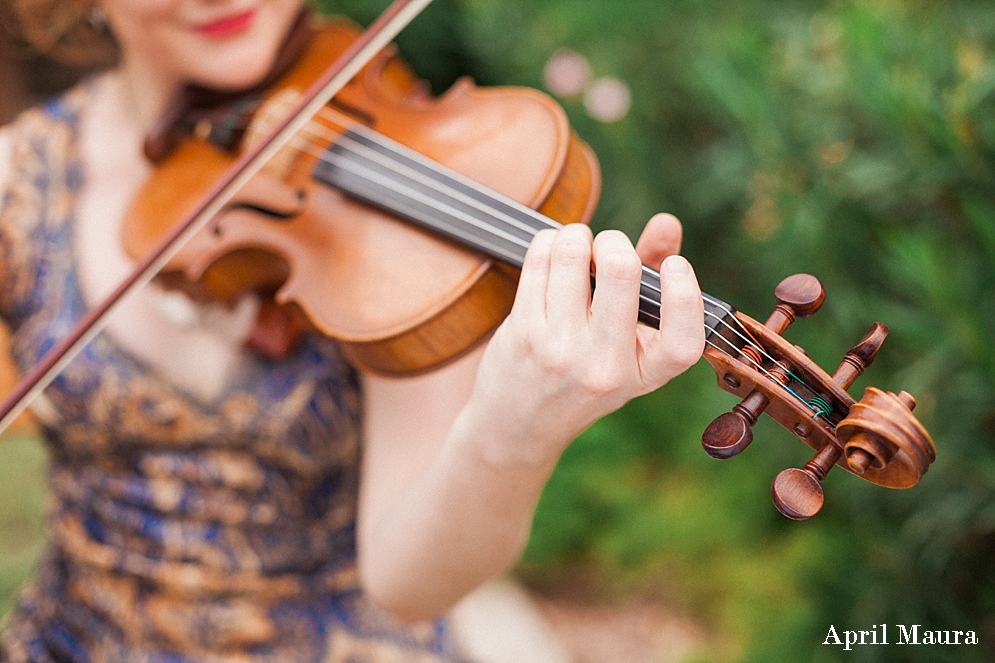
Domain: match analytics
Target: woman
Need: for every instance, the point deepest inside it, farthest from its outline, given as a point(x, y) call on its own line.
point(210, 503)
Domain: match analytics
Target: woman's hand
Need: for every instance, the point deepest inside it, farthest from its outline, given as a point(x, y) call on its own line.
point(454, 461)
point(566, 357)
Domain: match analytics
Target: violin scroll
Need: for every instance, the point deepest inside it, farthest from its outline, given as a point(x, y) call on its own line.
point(884, 442)
point(798, 296)
point(877, 438)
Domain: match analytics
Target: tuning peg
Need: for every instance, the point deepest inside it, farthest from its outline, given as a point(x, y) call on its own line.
point(732, 432)
point(797, 493)
point(798, 296)
point(860, 356)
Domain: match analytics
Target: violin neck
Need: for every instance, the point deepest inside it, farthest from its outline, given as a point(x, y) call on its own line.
point(385, 174)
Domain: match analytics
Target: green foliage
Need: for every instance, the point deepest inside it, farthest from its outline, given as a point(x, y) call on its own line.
point(852, 140)
point(22, 487)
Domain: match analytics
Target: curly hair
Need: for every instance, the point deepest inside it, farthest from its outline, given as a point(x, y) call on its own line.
point(69, 31)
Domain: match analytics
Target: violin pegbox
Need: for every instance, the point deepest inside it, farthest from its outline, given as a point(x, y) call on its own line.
point(877, 438)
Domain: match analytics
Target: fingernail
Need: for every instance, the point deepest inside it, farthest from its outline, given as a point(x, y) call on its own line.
point(677, 266)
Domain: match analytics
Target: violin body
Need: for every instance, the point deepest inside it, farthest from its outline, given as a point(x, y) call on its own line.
point(399, 299)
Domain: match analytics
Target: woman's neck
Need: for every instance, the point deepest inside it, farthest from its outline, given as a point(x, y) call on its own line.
point(146, 90)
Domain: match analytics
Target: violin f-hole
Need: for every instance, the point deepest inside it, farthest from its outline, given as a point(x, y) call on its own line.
point(287, 207)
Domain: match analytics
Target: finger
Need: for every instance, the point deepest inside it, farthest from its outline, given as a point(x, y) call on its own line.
point(530, 298)
point(660, 239)
point(568, 294)
point(615, 306)
point(679, 342)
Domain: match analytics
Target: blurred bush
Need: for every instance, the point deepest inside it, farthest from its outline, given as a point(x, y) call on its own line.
point(22, 490)
point(852, 140)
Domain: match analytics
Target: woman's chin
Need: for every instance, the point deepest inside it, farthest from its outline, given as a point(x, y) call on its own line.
point(233, 64)
point(235, 72)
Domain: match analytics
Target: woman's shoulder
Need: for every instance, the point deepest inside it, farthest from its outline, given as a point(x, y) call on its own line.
point(65, 108)
point(51, 123)
point(39, 178)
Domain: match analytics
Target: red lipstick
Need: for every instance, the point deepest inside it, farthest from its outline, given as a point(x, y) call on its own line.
point(228, 25)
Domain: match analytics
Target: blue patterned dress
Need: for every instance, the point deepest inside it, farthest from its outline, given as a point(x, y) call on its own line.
point(180, 530)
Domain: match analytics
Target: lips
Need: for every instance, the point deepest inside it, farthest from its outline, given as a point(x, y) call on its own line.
point(227, 26)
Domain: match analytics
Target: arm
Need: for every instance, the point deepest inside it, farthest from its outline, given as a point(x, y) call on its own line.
point(454, 461)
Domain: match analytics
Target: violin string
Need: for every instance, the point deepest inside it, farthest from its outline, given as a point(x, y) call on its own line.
point(491, 230)
point(329, 135)
point(350, 146)
point(346, 124)
point(529, 231)
point(339, 160)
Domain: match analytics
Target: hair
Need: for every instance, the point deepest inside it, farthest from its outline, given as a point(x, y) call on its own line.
point(69, 31)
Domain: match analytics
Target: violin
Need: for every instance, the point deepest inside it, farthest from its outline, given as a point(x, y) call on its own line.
point(326, 209)
point(396, 222)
